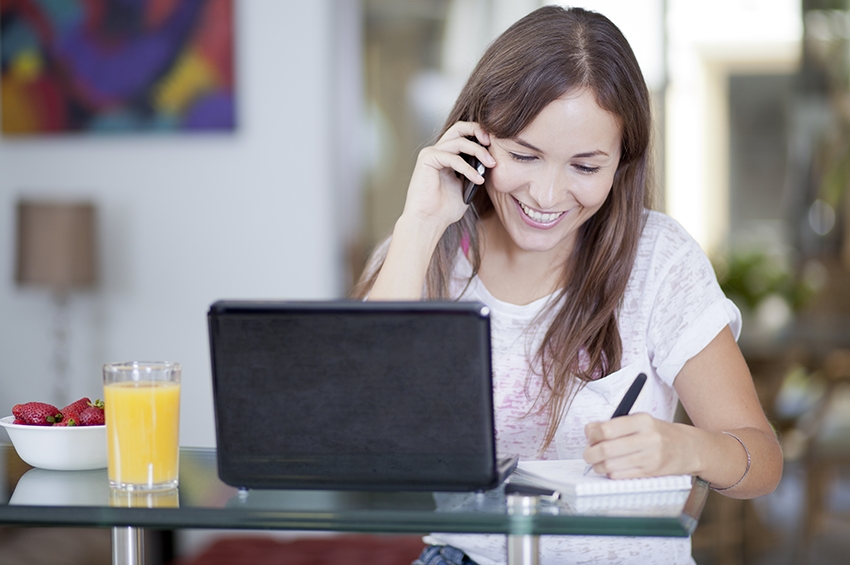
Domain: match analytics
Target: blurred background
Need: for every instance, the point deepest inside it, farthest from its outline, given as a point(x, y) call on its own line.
point(297, 162)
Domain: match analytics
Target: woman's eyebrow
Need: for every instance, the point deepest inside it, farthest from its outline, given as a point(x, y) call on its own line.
point(596, 153)
point(519, 141)
point(585, 155)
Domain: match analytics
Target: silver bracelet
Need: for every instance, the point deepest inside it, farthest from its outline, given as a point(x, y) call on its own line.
point(747, 470)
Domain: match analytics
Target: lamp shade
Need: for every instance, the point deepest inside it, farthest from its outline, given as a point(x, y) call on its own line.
point(56, 245)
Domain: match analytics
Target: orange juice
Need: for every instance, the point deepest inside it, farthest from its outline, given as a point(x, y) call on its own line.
point(142, 426)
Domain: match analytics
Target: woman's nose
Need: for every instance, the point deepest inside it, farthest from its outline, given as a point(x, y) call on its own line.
point(546, 188)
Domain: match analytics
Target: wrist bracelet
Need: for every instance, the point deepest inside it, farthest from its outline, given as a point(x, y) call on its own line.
point(747, 470)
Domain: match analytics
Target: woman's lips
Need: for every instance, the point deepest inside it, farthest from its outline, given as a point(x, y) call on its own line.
point(538, 219)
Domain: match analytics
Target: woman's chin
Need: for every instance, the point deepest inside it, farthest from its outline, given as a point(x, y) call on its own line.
point(547, 242)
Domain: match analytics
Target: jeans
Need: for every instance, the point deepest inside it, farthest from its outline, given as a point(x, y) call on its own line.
point(443, 555)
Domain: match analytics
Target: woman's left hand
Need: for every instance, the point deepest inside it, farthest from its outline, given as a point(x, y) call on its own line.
point(638, 445)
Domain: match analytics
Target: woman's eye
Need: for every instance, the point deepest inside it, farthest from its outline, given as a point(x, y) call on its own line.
point(518, 157)
point(586, 169)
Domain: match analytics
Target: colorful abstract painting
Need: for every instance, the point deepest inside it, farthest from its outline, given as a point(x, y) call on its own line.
point(116, 66)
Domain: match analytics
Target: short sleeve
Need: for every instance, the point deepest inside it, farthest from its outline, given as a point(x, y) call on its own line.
point(689, 309)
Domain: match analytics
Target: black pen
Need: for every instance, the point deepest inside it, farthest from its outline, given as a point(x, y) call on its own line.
point(626, 404)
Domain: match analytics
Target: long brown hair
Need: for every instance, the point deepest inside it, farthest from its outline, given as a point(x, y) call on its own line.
point(549, 53)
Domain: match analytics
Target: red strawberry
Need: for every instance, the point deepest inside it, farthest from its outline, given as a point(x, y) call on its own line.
point(71, 413)
point(92, 416)
point(37, 413)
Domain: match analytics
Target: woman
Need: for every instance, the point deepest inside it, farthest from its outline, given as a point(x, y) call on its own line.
point(586, 286)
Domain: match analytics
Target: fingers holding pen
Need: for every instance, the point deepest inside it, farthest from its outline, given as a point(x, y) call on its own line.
point(625, 447)
point(606, 442)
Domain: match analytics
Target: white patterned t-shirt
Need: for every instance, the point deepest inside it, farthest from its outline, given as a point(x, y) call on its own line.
point(672, 308)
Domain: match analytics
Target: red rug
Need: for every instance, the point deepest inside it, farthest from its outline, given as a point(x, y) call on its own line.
point(336, 550)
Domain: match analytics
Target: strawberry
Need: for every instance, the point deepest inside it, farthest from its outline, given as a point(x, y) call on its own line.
point(37, 413)
point(71, 413)
point(92, 416)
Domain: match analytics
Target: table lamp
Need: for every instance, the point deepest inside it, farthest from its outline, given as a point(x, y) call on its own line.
point(56, 249)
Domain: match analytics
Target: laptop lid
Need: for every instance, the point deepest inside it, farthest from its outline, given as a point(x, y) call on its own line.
point(354, 395)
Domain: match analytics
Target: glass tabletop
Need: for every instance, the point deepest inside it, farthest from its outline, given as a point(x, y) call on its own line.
point(33, 497)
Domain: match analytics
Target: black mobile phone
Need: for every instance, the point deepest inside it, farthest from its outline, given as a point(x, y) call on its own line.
point(470, 187)
point(544, 493)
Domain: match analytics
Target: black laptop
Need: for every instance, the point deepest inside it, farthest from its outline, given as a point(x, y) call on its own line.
point(354, 395)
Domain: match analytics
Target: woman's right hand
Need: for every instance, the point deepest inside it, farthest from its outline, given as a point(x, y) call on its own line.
point(434, 195)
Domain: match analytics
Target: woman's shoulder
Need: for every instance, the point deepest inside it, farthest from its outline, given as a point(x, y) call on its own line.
point(663, 239)
point(665, 247)
point(659, 226)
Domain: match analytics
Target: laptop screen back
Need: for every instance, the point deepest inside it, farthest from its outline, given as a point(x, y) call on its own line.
point(353, 395)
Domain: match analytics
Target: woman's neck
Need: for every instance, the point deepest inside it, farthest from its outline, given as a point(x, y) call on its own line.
point(515, 275)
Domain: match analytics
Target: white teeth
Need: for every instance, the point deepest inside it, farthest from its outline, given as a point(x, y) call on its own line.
point(540, 217)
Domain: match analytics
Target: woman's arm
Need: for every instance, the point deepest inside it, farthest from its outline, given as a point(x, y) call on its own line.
point(434, 202)
point(716, 390)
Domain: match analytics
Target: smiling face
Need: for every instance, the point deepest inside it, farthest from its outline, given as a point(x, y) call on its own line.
point(554, 175)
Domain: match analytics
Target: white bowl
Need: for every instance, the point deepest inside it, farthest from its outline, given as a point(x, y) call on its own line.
point(58, 448)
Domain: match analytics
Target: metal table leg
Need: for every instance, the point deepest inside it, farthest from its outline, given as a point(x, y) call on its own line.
point(128, 546)
point(523, 549)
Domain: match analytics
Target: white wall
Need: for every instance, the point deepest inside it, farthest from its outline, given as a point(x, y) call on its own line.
point(187, 219)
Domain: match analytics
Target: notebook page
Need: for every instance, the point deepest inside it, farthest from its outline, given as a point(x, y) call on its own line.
point(567, 476)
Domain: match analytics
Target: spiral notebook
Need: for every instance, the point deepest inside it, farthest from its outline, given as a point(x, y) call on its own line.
point(567, 476)
point(644, 504)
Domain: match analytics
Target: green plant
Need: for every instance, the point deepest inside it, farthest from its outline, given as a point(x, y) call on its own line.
point(747, 278)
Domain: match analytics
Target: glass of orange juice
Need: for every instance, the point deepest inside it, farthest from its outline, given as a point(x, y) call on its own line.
point(144, 499)
point(142, 407)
